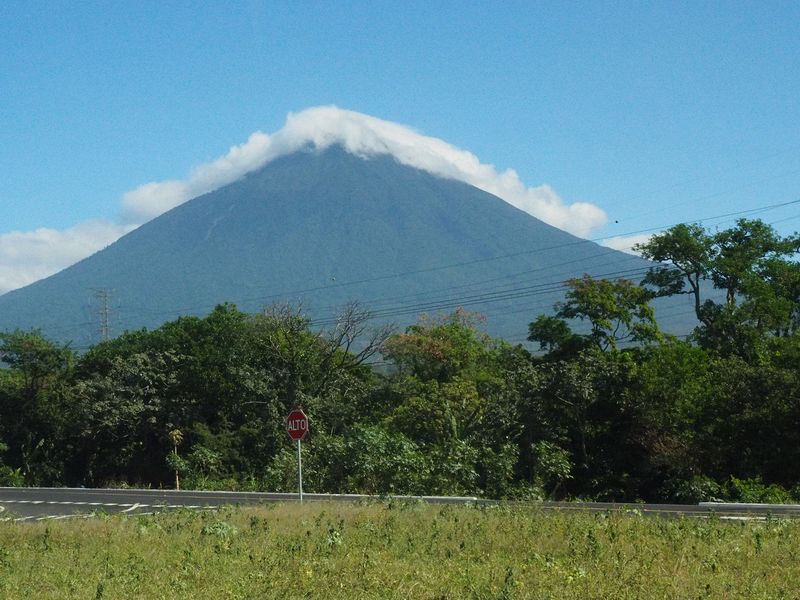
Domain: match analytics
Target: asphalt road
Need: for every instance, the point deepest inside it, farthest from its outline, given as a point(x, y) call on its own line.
point(22, 504)
point(25, 504)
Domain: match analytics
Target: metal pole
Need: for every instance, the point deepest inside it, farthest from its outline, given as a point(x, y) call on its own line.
point(300, 470)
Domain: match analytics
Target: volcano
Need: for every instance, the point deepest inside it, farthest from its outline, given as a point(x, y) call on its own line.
point(320, 228)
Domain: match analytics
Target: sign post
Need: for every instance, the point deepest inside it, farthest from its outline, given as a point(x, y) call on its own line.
point(297, 428)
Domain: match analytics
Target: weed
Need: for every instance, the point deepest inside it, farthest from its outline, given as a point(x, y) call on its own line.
point(383, 550)
point(220, 529)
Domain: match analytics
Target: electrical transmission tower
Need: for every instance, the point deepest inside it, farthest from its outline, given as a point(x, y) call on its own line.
point(103, 296)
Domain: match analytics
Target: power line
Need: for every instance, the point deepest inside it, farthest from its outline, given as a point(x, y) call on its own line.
point(403, 305)
point(304, 291)
point(486, 298)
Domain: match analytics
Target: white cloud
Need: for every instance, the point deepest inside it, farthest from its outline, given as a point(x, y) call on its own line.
point(152, 199)
point(626, 243)
point(364, 136)
point(28, 256)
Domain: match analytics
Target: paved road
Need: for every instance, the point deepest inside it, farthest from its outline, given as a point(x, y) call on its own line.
point(61, 503)
point(23, 504)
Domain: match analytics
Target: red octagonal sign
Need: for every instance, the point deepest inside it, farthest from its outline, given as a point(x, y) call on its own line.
point(297, 424)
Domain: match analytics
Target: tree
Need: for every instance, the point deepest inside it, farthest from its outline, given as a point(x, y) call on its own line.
point(439, 348)
point(750, 263)
point(34, 408)
point(671, 391)
point(446, 368)
point(617, 311)
point(690, 251)
point(586, 403)
point(743, 253)
point(174, 459)
point(555, 336)
point(323, 370)
point(125, 416)
point(456, 396)
point(38, 361)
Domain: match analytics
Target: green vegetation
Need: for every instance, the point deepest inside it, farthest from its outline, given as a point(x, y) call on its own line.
point(403, 551)
point(611, 410)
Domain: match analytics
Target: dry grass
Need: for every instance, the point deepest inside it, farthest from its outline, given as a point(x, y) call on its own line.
point(398, 551)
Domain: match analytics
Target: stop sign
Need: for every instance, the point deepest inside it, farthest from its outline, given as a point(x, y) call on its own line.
point(297, 424)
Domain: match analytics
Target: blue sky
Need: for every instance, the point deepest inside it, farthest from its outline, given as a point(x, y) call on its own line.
point(654, 112)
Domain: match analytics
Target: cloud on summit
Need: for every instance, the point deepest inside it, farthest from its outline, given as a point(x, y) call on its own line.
point(28, 256)
point(365, 136)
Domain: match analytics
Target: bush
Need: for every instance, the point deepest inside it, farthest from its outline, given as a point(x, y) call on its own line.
point(551, 466)
point(497, 469)
point(755, 490)
point(11, 477)
point(368, 460)
point(699, 489)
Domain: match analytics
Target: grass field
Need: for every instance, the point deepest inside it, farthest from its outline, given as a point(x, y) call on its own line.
point(388, 550)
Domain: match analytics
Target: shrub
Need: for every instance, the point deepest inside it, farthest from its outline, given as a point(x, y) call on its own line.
point(699, 489)
point(755, 490)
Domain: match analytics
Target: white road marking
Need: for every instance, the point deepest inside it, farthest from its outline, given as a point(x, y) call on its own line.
point(126, 508)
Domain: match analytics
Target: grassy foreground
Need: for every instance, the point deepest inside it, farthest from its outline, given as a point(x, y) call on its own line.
point(398, 551)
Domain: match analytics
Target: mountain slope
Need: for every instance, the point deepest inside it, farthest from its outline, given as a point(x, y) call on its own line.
point(321, 228)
